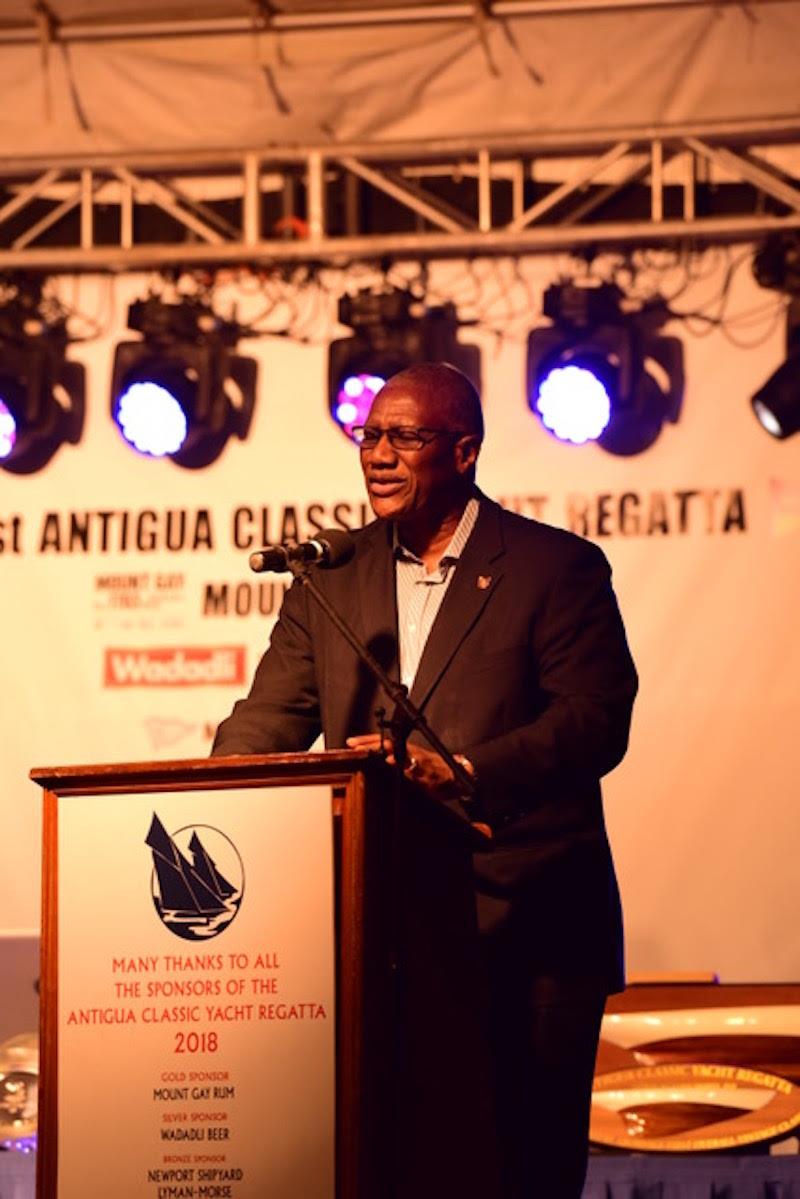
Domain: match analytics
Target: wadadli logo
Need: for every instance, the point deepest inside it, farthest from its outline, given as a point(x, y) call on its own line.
point(197, 882)
point(174, 666)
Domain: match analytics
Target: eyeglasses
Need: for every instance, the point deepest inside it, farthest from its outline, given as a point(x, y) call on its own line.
point(400, 437)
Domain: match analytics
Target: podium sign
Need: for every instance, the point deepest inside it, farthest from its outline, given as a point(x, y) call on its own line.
point(208, 944)
point(196, 1010)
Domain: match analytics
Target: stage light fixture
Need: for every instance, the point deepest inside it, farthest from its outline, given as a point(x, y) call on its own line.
point(181, 392)
point(392, 330)
point(777, 403)
point(354, 398)
point(599, 373)
point(42, 395)
point(574, 401)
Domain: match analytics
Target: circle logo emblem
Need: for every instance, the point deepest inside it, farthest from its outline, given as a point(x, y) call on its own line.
point(197, 883)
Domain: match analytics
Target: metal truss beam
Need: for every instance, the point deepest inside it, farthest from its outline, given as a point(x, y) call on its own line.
point(79, 31)
point(423, 200)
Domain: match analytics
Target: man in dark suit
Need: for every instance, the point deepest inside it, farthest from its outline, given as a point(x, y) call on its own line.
point(508, 635)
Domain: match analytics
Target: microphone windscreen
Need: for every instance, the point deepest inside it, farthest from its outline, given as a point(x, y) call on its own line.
point(272, 557)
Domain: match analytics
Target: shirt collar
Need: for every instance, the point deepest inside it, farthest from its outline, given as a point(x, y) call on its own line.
point(456, 544)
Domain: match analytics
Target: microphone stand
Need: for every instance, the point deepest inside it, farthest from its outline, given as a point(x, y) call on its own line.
point(406, 717)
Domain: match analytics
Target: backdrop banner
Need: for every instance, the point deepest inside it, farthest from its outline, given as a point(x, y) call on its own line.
point(131, 621)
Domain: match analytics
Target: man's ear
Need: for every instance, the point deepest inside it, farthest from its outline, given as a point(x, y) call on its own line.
point(467, 450)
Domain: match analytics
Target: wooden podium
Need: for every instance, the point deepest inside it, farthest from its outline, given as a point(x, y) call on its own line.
point(220, 949)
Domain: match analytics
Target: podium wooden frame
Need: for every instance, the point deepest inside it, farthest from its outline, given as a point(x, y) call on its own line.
point(362, 823)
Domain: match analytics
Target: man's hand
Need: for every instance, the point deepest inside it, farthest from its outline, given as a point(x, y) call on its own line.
point(424, 767)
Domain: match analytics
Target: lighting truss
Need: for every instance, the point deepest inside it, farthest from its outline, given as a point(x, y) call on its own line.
point(632, 186)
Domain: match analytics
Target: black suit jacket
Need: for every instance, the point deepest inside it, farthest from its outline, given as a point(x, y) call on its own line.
point(527, 671)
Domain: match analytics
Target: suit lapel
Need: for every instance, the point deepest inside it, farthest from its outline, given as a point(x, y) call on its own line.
point(476, 576)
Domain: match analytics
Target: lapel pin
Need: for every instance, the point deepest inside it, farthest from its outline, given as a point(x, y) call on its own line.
point(484, 581)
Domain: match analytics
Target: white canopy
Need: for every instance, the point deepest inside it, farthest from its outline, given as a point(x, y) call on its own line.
point(204, 75)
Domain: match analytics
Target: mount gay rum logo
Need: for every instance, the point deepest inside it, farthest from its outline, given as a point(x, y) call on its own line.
point(175, 666)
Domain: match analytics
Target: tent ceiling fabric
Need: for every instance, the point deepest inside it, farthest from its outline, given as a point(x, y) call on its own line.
point(571, 74)
point(19, 13)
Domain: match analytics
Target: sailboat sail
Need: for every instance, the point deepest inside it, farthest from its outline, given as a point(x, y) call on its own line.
point(181, 887)
point(206, 868)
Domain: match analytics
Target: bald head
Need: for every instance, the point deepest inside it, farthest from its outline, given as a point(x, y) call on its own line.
point(446, 396)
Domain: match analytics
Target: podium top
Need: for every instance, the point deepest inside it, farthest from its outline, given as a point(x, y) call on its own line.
point(245, 770)
point(193, 772)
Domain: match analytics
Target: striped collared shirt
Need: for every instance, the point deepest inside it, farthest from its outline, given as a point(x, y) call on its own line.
point(420, 595)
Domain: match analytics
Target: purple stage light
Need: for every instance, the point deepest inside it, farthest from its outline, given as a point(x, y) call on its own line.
point(151, 419)
point(573, 404)
point(354, 399)
point(21, 1144)
point(8, 430)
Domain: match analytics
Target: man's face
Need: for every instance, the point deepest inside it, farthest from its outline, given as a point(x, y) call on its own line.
point(404, 483)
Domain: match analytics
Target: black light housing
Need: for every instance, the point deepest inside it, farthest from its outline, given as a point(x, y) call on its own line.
point(181, 392)
point(42, 395)
point(392, 330)
point(777, 404)
point(598, 373)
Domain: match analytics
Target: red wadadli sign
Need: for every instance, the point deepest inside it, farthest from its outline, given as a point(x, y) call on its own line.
point(174, 666)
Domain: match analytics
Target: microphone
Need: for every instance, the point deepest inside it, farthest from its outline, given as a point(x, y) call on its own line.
point(329, 549)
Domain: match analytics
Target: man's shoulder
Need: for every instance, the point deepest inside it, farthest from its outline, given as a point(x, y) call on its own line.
point(369, 536)
point(373, 528)
point(526, 535)
point(369, 541)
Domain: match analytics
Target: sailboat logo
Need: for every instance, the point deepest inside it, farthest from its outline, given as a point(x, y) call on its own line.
point(198, 879)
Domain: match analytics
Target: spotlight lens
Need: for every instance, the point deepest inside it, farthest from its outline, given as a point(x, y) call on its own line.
point(354, 399)
point(346, 413)
point(573, 404)
point(151, 419)
point(768, 418)
point(8, 430)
